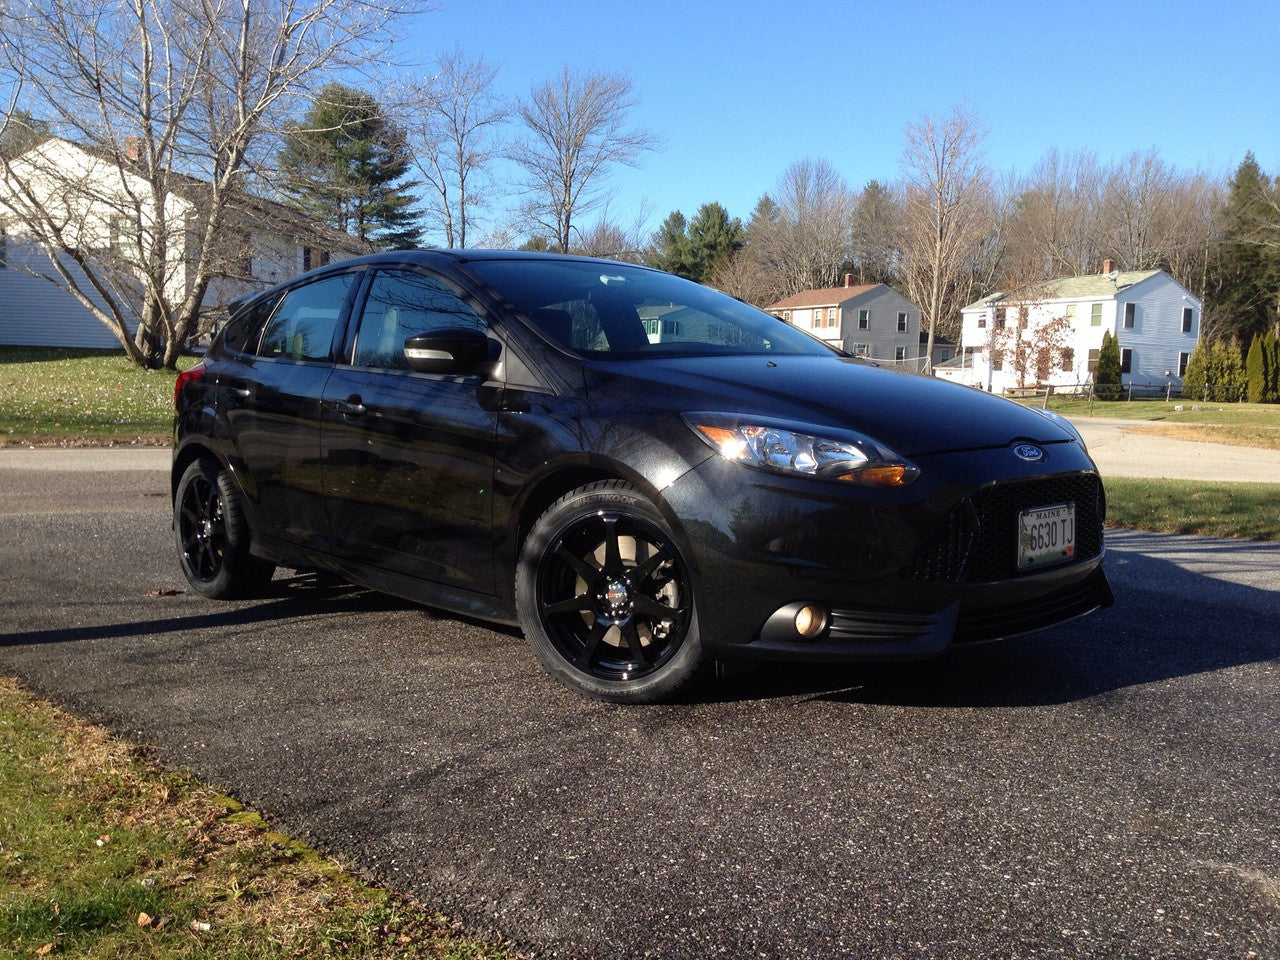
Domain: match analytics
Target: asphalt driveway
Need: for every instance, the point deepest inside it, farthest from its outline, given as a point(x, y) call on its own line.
point(1103, 789)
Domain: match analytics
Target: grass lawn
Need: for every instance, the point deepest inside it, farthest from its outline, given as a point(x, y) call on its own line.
point(103, 854)
point(1247, 510)
point(51, 395)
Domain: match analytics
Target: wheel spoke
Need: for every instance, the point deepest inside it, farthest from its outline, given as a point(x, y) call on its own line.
point(645, 570)
point(572, 605)
point(612, 549)
point(655, 610)
point(632, 636)
point(587, 658)
point(575, 563)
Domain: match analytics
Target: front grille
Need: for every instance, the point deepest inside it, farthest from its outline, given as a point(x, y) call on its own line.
point(978, 541)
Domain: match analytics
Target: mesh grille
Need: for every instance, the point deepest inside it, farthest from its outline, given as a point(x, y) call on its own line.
point(979, 539)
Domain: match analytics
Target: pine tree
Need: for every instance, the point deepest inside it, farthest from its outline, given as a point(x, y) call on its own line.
point(1107, 380)
point(1271, 358)
point(346, 165)
point(1245, 284)
point(1195, 377)
point(1226, 372)
point(1255, 370)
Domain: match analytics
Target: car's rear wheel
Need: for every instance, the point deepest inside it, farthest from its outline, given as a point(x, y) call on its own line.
point(213, 535)
point(605, 597)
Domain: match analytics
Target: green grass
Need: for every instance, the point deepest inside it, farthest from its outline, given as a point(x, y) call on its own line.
point(104, 855)
point(1242, 510)
point(51, 395)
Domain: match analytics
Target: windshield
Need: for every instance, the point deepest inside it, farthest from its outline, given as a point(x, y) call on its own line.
point(616, 312)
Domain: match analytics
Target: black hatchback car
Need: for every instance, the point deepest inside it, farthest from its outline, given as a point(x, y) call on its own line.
point(642, 473)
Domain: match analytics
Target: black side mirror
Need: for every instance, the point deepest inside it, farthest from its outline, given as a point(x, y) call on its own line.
point(456, 350)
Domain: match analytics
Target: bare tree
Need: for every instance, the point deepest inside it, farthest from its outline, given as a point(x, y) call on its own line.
point(167, 103)
point(453, 119)
point(576, 128)
point(1054, 215)
point(809, 230)
point(947, 213)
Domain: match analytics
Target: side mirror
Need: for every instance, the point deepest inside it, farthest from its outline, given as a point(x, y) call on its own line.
point(456, 350)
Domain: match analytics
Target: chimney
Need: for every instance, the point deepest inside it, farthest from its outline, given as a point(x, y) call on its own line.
point(1108, 266)
point(133, 148)
point(848, 279)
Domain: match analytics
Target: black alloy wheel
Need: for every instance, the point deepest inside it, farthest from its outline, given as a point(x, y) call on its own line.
point(213, 535)
point(606, 598)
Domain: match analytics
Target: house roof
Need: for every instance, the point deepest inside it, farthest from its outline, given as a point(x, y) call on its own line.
point(1094, 286)
point(252, 208)
point(823, 297)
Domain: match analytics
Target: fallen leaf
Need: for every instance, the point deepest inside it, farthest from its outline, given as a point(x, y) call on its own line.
point(44, 951)
point(144, 919)
point(164, 592)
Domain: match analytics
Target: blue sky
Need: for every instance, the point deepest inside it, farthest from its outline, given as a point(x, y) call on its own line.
point(738, 91)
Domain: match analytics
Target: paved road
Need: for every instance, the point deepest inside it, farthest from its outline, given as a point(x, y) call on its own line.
point(1103, 789)
point(1121, 449)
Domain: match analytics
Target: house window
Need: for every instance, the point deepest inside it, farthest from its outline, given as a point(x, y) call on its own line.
point(1071, 311)
point(1095, 315)
point(900, 353)
point(124, 238)
point(1001, 315)
point(671, 328)
point(1126, 360)
point(1188, 319)
point(998, 362)
point(861, 350)
point(982, 320)
point(902, 321)
point(831, 317)
point(1093, 361)
point(651, 326)
point(1068, 359)
point(786, 315)
point(864, 319)
point(1182, 363)
point(1130, 311)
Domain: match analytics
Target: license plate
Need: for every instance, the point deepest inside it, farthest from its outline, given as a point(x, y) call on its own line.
point(1046, 535)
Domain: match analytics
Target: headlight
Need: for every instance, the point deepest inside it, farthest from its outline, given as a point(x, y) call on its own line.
point(850, 458)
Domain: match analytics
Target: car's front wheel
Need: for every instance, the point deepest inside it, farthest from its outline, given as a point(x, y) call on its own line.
point(213, 535)
point(606, 599)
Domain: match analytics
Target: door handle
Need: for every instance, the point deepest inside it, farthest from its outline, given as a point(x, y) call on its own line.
point(244, 393)
point(353, 406)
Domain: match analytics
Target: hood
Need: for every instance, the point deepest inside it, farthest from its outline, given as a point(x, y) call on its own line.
point(911, 414)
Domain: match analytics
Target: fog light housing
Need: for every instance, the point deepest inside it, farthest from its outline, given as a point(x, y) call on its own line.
point(810, 621)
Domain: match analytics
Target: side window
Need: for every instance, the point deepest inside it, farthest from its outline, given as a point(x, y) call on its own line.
point(402, 304)
point(245, 328)
point(302, 328)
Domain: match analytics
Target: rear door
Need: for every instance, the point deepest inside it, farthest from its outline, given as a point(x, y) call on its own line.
point(272, 407)
point(409, 457)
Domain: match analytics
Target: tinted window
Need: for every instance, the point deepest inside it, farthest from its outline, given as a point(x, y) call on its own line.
point(615, 311)
point(302, 328)
point(245, 328)
point(402, 304)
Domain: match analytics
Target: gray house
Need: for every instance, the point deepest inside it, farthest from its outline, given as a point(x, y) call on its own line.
point(871, 320)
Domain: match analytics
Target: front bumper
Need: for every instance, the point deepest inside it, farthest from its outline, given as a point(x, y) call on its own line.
point(902, 574)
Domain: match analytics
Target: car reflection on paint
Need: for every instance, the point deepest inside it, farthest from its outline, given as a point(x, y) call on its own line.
point(643, 474)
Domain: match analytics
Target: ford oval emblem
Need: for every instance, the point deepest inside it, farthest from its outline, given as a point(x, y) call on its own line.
point(1029, 452)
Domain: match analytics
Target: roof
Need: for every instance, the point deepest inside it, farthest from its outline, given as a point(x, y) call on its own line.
point(261, 211)
point(823, 297)
point(1095, 286)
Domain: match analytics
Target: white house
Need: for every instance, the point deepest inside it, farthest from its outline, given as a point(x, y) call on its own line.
point(1155, 319)
point(96, 204)
point(870, 320)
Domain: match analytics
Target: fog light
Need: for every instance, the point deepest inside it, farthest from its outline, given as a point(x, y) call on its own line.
point(811, 620)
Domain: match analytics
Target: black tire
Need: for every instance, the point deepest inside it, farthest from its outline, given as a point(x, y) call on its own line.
point(213, 535)
point(606, 599)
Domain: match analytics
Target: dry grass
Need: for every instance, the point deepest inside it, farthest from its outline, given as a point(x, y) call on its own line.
point(104, 854)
